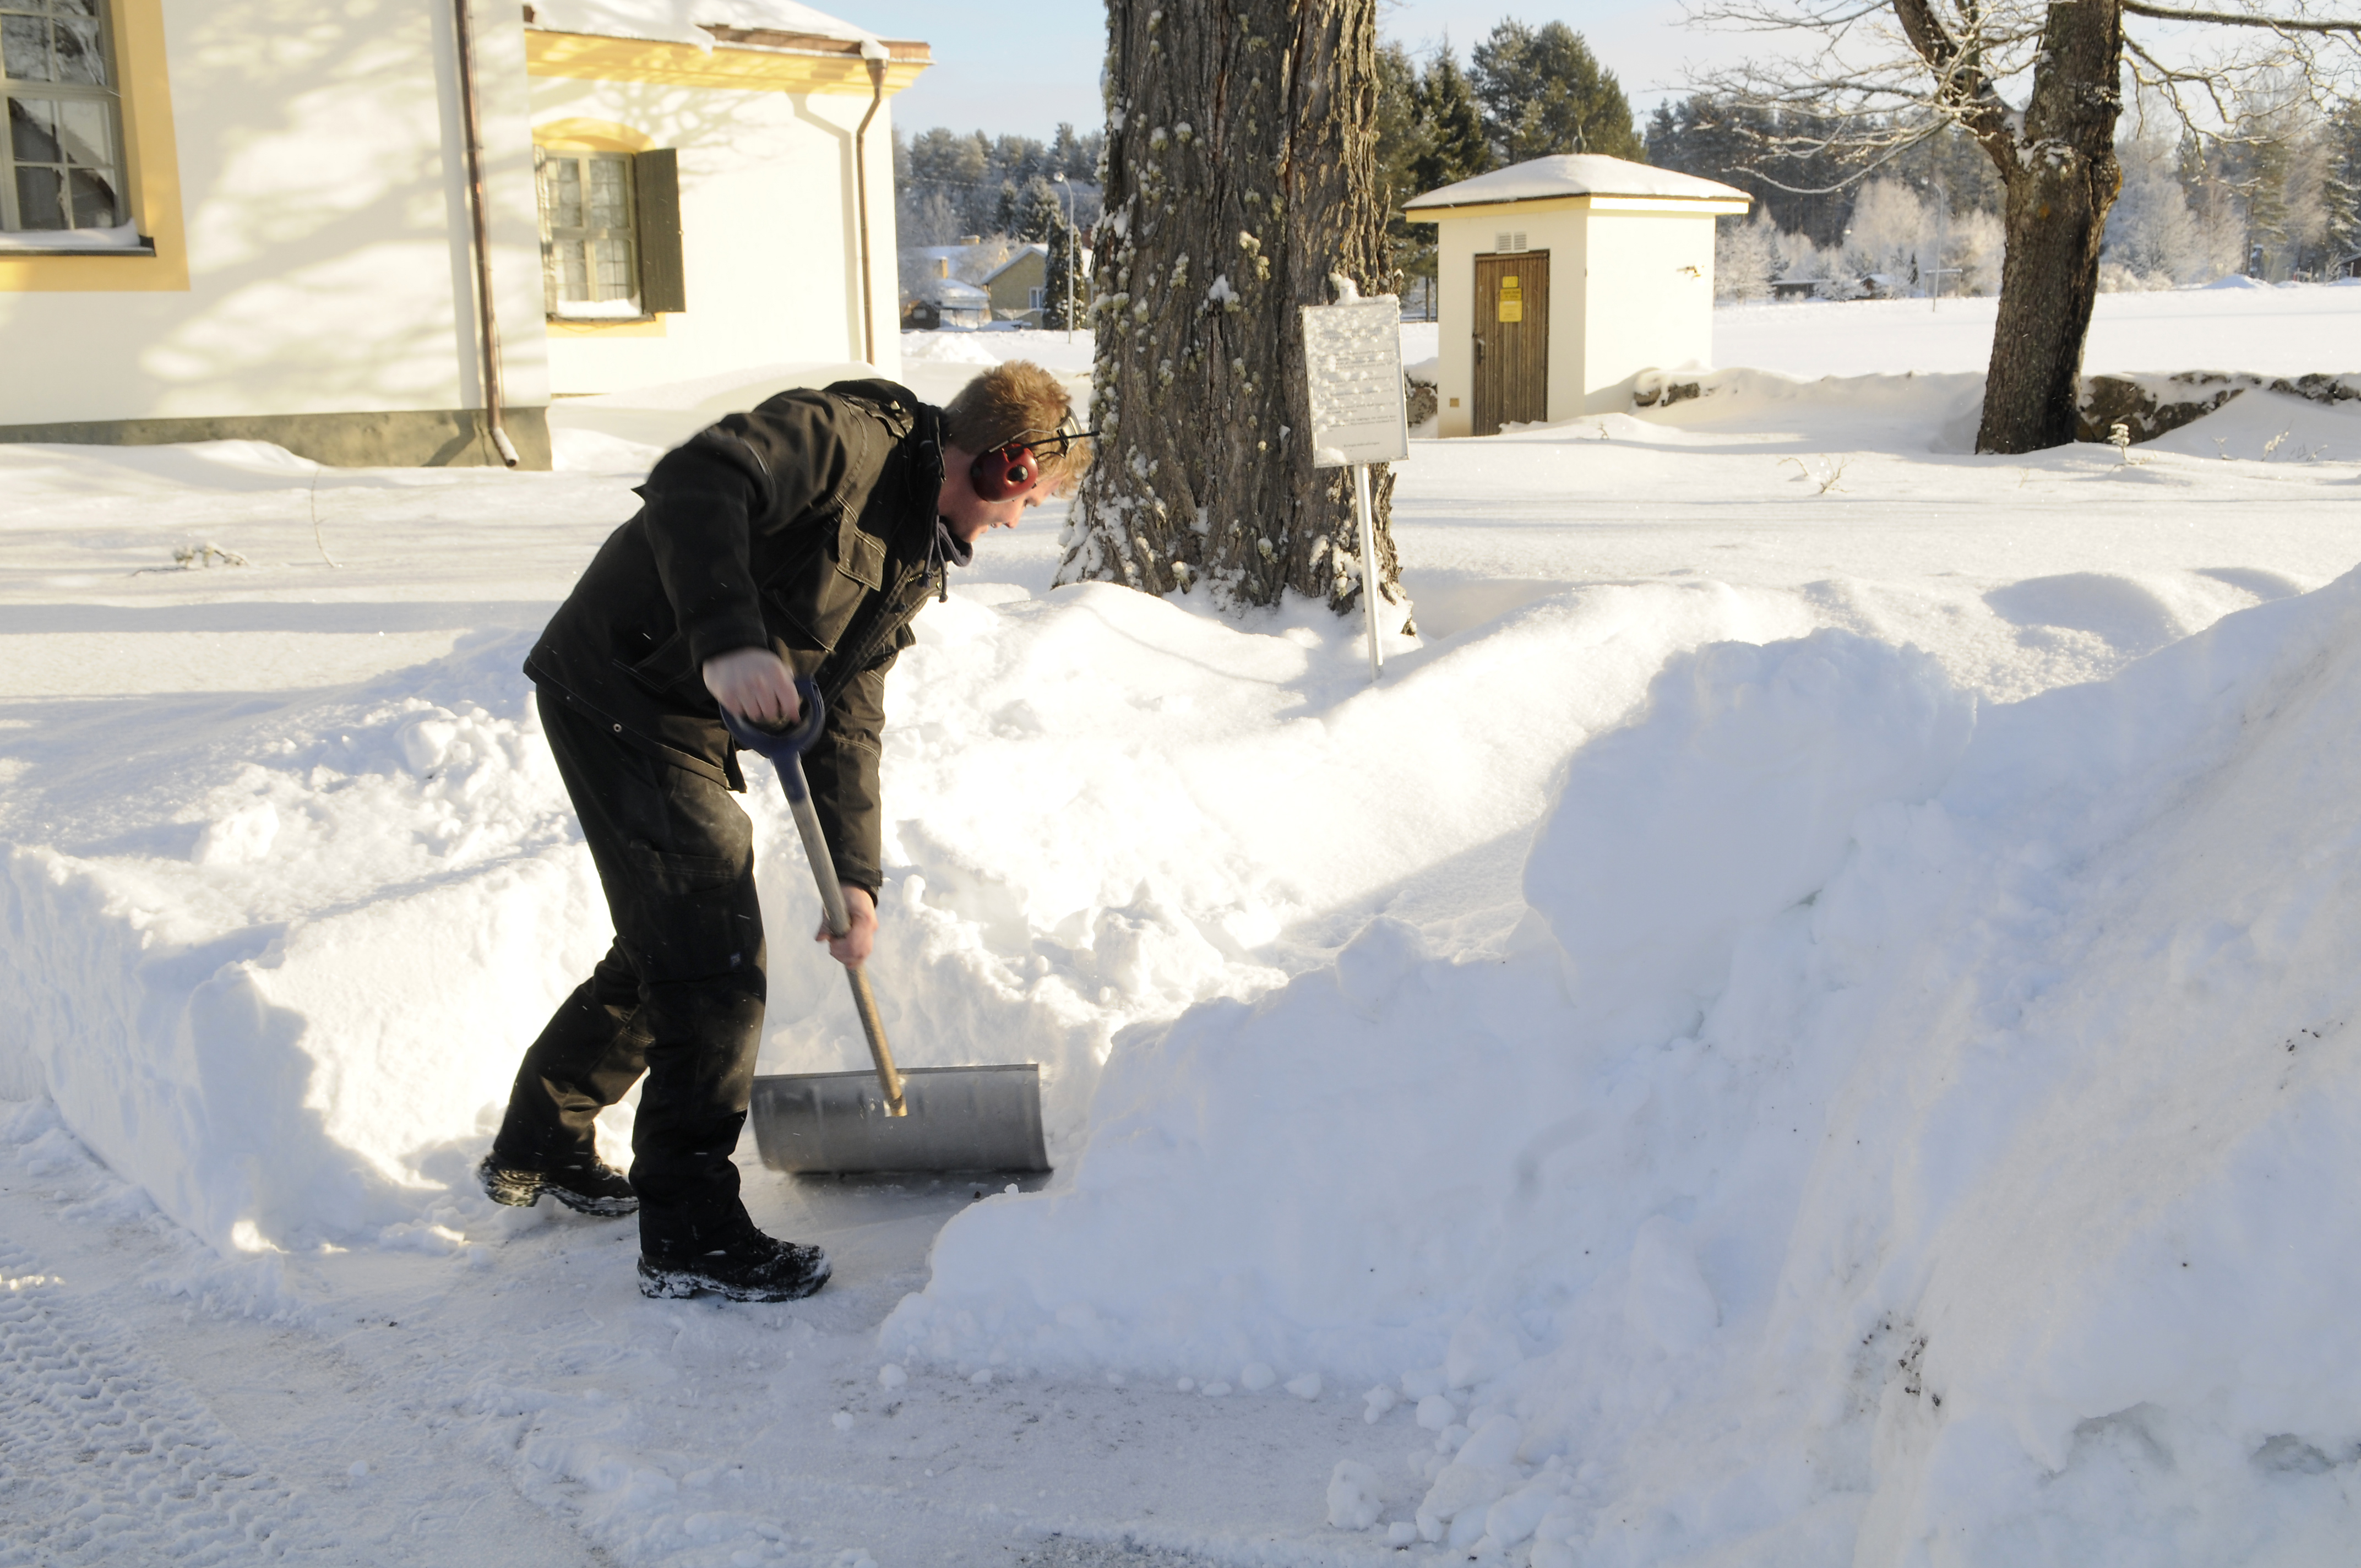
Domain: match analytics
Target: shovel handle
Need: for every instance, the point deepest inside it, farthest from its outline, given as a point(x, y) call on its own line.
point(785, 748)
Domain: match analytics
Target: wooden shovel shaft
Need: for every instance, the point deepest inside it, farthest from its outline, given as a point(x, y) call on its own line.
point(840, 921)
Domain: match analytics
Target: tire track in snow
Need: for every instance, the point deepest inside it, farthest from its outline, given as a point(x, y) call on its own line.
point(105, 1458)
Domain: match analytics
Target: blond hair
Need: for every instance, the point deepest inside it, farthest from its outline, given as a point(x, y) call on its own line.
point(1018, 401)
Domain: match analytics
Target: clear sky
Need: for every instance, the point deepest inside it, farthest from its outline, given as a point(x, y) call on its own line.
point(1022, 77)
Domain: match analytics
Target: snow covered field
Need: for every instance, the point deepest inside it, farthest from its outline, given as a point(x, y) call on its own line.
point(1803, 1021)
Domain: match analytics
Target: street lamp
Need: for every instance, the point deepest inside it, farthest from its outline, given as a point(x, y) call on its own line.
point(1069, 190)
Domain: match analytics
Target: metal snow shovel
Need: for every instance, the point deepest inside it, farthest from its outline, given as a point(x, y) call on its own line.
point(928, 1119)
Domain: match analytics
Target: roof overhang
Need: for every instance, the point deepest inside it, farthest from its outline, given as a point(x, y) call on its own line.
point(1532, 205)
point(751, 59)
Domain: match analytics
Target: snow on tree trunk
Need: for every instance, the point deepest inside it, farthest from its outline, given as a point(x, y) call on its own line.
point(1241, 172)
point(2061, 176)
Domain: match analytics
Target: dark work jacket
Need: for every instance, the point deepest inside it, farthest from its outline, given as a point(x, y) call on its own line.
point(806, 527)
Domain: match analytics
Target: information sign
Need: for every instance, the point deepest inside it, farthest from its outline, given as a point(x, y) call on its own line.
point(1352, 359)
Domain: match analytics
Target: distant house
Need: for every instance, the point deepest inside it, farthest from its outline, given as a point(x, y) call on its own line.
point(1560, 278)
point(1016, 285)
point(1798, 288)
point(214, 226)
point(940, 286)
point(940, 302)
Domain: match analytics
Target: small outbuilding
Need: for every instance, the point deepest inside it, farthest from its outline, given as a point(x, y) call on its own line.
point(1561, 277)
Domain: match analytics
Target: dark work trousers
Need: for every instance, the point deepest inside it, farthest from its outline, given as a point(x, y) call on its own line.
point(678, 995)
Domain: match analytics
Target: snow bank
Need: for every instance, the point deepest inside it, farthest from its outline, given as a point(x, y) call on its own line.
point(1893, 1133)
point(268, 1002)
point(1896, 411)
point(280, 963)
point(677, 21)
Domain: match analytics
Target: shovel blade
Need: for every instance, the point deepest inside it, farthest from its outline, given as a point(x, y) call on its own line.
point(961, 1118)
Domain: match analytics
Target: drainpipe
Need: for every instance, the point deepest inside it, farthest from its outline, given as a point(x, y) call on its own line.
point(481, 250)
point(873, 55)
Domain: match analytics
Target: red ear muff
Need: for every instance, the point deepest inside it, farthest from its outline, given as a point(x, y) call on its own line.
point(1005, 471)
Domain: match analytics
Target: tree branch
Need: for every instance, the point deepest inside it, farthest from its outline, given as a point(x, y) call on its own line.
point(2238, 20)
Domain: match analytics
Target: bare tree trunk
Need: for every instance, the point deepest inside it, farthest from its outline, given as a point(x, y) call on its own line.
point(1241, 172)
point(2062, 178)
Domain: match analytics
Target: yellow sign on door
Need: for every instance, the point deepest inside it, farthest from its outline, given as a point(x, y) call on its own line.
point(1512, 299)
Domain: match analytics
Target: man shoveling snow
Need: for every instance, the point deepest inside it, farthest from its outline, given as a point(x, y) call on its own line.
point(799, 538)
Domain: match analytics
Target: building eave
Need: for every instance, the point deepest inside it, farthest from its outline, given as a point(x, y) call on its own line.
point(746, 59)
point(1526, 206)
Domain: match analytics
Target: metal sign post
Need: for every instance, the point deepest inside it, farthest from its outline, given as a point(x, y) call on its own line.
point(1352, 363)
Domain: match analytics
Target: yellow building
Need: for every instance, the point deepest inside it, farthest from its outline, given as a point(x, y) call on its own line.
point(1560, 278)
point(1016, 285)
point(261, 218)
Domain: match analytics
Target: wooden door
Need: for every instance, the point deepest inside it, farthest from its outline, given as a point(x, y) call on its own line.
point(1511, 340)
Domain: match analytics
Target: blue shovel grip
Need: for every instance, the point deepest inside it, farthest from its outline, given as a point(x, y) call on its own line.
point(784, 746)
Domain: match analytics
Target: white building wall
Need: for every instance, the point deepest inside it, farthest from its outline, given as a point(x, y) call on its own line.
point(325, 210)
point(769, 234)
point(1568, 236)
point(1650, 304)
point(1630, 290)
point(1459, 240)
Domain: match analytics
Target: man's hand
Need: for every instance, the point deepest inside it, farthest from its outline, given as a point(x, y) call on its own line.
point(851, 950)
point(754, 684)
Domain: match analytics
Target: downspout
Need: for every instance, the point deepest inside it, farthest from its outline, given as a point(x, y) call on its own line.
point(481, 251)
point(873, 55)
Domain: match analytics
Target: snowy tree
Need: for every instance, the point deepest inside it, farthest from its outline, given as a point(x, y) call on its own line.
point(1800, 258)
point(1888, 229)
point(2340, 192)
point(2151, 234)
point(1040, 216)
point(2038, 83)
point(1976, 244)
point(1065, 257)
point(1745, 257)
point(1241, 175)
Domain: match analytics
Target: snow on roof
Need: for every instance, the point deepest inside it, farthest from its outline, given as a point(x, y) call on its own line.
point(1573, 174)
point(677, 21)
point(1021, 252)
point(952, 291)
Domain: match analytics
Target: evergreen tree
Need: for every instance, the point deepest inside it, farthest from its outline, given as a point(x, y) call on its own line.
point(1065, 254)
point(2341, 192)
point(1454, 148)
point(1544, 92)
point(1040, 216)
point(1401, 137)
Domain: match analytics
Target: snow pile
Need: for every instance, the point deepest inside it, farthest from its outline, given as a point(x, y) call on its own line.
point(282, 982)
point(1875, 409)
point(1573, 174)
point(269, 1005)
point(677, 21)
point(1880, 1134)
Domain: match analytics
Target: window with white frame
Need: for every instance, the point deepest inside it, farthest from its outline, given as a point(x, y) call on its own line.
point(588, 255)
point(61, 162)
point(609, 233)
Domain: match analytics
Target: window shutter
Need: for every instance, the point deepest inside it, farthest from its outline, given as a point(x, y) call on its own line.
point(655, 193)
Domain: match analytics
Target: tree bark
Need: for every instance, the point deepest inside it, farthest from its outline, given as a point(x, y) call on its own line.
point(2061, 176)
point(1241, 172)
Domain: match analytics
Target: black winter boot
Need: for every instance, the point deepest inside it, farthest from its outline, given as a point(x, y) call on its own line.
point(590, 1188)
point(738, 1263)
